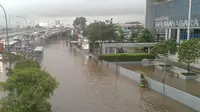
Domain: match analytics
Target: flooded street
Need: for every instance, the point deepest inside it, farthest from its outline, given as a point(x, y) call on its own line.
point(86, 87)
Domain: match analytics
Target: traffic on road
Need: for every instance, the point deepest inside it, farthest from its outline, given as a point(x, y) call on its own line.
point(27, 44)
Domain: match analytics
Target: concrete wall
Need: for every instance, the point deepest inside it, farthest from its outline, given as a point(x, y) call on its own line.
point(180, 96)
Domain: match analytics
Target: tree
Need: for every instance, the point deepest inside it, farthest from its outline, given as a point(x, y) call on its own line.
point(80, 25)
point(120, 36)
point(101, 31)
point(165, 48)
point(134, 34)
point(94, 31)
point(189, 52)
point(28, 89)
point(80, 21)
point(145, 36)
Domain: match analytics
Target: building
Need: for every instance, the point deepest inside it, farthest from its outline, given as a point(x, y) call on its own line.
point(127, 27)
point(171, 18)
point(58, 23)
point(43, 24)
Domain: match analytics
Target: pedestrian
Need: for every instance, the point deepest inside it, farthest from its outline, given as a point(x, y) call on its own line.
point(143, 82)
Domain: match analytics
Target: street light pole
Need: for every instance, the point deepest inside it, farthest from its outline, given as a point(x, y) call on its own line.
point(26, 23)
point(189, 19)
point(7, 38)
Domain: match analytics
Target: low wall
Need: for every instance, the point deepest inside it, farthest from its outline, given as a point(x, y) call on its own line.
point(180, 96)
point(129, 62)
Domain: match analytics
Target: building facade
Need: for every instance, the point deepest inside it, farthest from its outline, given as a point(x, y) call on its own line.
point(171, 18)
point(128, 27)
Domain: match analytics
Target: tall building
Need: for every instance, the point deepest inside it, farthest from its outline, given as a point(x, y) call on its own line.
point(171, 18)
point(149, 21)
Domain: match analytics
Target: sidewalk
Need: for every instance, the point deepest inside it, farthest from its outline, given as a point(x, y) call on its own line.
point(188, 86)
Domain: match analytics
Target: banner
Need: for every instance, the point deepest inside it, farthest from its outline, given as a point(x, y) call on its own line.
point(161, 22)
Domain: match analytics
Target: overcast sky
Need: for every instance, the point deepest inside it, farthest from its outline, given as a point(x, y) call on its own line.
point(66, 10)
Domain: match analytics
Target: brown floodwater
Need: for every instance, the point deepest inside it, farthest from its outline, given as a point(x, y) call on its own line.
point(86, 87)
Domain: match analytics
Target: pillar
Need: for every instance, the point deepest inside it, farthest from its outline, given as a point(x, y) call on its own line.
point(178, 36)
point(166, 34)
point(170, 33)
point(103, 50)
point(149, 49)
point(115, 50)
point(106, 50)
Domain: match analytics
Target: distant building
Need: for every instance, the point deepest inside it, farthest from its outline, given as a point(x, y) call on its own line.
point(57, 22)
point(127, 27)
point(43, 24)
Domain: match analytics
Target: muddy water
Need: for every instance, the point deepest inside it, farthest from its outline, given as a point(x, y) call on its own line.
point(86, 87)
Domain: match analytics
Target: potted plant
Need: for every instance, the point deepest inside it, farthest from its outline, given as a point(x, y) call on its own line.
point(188, 53)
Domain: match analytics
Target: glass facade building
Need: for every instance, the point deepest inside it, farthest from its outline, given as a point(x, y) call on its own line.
point(171, 18)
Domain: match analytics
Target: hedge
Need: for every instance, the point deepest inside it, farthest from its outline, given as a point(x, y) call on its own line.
point(27, 64)
point(126, 57)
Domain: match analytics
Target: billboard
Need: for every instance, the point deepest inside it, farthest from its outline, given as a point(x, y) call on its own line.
point(164, 21)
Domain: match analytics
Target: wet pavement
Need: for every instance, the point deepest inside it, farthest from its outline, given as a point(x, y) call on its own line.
point(86, 87)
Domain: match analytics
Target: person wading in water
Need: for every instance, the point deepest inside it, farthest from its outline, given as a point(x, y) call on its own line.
point(143, 82)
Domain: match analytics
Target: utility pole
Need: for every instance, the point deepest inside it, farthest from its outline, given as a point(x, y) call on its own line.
point(7, 38)
point(189, 19)
point(9, 22)
point(100, 36)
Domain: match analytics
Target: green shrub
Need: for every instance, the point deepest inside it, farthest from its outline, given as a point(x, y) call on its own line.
point(13, 57)
point(26, 64)
point(126, 57)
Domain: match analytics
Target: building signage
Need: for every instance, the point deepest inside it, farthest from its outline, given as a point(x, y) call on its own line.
point(165, 22)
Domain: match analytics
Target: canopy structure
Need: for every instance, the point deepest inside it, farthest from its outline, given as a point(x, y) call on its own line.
point(106, 46)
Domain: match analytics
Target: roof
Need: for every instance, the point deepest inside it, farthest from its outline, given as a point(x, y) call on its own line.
point(129, 25)
point(38, 48)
